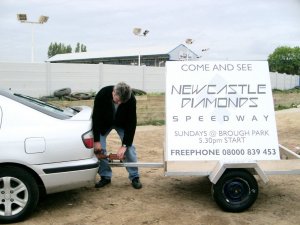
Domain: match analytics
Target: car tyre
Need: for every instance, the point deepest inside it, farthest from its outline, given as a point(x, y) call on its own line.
point(236, 190)
point(49, 98)
point(138, 92)
point(62, 92)
point(19, 194)
point(81, 95)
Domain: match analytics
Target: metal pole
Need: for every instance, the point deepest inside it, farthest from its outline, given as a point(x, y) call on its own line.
point(187, 54)
point(23, 19)
point(189, 41)
point(139, 63)
point(138, 32)
point(32, 42)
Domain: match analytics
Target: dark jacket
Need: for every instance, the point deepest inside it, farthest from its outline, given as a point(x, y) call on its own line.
point(102, 117)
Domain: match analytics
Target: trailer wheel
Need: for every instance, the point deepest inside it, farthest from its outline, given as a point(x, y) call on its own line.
point(236, 190)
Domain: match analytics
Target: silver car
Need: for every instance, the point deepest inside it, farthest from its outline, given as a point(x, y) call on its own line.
point(43, 149)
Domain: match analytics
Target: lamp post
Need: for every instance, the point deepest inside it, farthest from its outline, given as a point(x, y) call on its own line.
point(139, 32)
point(189, 41)
point(23, 19)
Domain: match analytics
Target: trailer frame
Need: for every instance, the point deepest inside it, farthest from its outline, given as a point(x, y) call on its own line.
point(237, 192)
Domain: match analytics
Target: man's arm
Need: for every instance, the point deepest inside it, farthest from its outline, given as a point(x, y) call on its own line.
point(129, 129)
point(96, 116)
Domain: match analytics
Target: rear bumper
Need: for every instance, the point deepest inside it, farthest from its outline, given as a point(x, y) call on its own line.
point(68, 175)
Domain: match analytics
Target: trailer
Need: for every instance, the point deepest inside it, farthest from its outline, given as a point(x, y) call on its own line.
point(220, 123)
point(234, 184)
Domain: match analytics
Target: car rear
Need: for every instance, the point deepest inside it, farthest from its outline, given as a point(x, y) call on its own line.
point(55, 143)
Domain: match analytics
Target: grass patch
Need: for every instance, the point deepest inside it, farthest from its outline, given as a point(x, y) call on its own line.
point(152, 122)
point(280, 107)
point(293, 90)
point(156, 94)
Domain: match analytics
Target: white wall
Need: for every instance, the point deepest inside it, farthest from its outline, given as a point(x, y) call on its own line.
point(284, 81)
point(24, 78)
point(40, 79)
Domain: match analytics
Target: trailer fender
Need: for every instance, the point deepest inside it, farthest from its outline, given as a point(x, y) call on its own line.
point(221, 166)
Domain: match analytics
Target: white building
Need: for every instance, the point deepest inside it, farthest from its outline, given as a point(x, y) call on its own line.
point(148, 56)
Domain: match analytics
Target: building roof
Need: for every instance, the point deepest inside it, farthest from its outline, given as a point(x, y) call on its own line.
point(114, 53)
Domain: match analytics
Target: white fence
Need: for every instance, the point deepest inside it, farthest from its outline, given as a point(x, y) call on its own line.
point(284, 81)
point(40, 79)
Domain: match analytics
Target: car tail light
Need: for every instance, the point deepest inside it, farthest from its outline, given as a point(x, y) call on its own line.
point(88, 139)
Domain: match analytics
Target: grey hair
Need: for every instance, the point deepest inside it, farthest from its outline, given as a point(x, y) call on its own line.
point(123, 90)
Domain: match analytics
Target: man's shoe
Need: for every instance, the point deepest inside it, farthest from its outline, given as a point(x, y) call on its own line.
point(136, 183)
point(102, 183)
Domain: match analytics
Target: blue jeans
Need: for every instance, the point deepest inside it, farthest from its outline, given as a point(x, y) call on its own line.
point(130, 156)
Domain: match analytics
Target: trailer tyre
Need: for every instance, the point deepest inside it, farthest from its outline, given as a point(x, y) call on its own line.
point(236, 190)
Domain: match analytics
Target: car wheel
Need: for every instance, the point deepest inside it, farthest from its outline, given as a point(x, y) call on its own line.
point(62, 92)
point(19, 194)
point(236, 190)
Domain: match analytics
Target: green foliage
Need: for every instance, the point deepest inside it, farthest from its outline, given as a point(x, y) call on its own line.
point(83, 48)
point(156, 94)
point(80, 47)
point(283, 93)
point(77, 47)
point(152, 122)
point(285, 60)
point(292, 90)
point(280, 107)
point(60, 48)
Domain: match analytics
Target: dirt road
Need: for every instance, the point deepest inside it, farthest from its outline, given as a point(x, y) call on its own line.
point(174, 200)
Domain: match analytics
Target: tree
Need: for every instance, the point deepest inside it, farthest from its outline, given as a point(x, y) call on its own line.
point(285, 60)
point(60, 48)
point(80, 47)
point(69, 49)
point(83, 48)
point(77, 49)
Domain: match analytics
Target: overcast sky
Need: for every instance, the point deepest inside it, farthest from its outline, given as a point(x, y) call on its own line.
point(231, 29)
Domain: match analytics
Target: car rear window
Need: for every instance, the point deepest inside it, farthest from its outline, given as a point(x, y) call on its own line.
point(49, 109)
point(43, 107)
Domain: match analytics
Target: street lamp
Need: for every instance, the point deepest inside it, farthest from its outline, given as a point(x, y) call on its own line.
point(23, 19)
point(140, 32)
point(189, 41)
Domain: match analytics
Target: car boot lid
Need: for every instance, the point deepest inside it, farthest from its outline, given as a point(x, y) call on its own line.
point(83, 112)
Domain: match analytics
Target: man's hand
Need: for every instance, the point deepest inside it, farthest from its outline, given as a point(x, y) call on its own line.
point(98, 151)
point(121, 152)
point(97, 146)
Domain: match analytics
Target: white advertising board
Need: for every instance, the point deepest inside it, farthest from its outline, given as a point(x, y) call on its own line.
point(220, 110)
